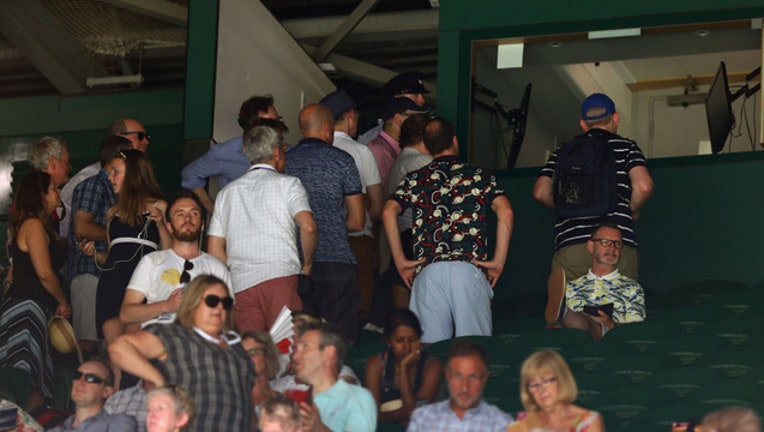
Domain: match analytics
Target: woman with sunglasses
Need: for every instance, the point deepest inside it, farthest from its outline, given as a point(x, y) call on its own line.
point(135, 227)
point(199, 352)
point(35, 293)
point(547, 391)
point(265, 355)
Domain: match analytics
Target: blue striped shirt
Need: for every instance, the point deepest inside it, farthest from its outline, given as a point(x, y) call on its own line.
point(571, 231)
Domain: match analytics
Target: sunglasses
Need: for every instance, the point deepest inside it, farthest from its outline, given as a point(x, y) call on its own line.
point(141, 135)
point(89, 377)
point(212, 301)
point(185, 277)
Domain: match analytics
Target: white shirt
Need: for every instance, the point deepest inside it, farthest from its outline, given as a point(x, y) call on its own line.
point(409, 160)
point(158, 275)
point(367, 168)
point(255, 215)
point(68, 191)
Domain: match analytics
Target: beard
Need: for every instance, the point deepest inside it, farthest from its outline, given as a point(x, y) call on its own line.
point(187, 236)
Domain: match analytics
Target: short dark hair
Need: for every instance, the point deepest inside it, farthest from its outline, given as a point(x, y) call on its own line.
point(107, 365)
point(438, 135)
point(110, 146)
point(252, 107)
point(185, 193)
point(262, 121)
point(412, 130)
point(402, 317)
point(329, 335)
point(467, 347)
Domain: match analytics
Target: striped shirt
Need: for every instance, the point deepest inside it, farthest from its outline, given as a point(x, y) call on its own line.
point(571, 231)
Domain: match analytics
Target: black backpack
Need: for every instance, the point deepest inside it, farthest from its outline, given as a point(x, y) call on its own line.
point(585, 182)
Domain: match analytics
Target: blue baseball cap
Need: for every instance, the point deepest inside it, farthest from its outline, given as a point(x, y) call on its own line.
point(597, 100)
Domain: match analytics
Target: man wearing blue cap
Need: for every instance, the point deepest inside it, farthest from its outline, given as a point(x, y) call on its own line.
point(571, 259)
point(362, 242)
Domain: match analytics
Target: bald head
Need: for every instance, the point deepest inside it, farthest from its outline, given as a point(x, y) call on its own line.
point(317, 121)
point(133, 130)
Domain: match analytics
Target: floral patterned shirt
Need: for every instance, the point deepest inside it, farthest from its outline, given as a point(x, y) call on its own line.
point(450, 202)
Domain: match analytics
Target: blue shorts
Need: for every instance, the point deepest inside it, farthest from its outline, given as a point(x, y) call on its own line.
point(452, 298)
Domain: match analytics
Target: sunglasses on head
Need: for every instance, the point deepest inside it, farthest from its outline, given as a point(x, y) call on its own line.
point(185, 277)
point(211, 300)
point(89, 377)
point(141, 135)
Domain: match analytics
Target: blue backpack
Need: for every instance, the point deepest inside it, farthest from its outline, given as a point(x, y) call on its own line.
point(585, 182)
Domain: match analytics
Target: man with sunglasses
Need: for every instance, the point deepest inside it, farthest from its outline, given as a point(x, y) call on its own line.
point(603, 298)
point(133, 130)
point(161, 276)
point(129, 129)
point(92, 384)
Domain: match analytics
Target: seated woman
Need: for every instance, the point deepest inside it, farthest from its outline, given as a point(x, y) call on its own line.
point(35, 292)
point(547, 391)
point(169, 409)
point(264, 354)
point(404, 375)
point(200, 353)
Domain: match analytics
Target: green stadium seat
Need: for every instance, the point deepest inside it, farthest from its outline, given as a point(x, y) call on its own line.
point(18, 382)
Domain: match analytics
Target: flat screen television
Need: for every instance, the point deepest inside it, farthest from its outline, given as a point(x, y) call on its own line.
point(719, 110)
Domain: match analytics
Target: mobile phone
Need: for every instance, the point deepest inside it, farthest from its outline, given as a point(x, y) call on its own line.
point(607, 308)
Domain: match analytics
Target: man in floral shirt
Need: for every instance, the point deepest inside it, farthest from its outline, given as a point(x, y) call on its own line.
point(452, 277)
point(602, 285)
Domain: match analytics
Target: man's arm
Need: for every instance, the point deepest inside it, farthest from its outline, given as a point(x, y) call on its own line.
point(506, 218)
point(390, 219)
point(356, 216)
point(216, 248)
point(205, 199)
point(194, 176)
point(376, 201)
point(641, 189)
point(308, 238)
point(134, 311)
point(86, 228)
point(543, 191)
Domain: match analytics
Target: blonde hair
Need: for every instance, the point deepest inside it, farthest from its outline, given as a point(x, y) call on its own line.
point(180, 398)
point(269, 348)
point(193, 297)
point(540, 363)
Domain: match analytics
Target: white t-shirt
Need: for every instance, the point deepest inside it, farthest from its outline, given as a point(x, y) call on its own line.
point(158, 275)
point(367, 168)
point(255, 215)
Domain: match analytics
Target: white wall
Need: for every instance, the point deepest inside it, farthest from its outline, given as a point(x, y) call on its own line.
point(257, 56)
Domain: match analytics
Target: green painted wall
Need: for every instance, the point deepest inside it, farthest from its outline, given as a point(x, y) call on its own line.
point(701, 223)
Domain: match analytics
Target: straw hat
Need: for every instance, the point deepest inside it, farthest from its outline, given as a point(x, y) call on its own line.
point(61, 335)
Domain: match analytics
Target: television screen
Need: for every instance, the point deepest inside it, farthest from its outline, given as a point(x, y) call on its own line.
point(719, 110)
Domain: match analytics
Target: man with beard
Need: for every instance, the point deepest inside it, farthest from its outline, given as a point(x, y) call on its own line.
point(161, 276)
point(602, 287)
point(466, 373)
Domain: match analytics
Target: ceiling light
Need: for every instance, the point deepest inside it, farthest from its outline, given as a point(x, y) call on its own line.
point(702, 33)
point(555, 44)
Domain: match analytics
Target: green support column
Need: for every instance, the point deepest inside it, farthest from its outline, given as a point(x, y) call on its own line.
point(201, 60)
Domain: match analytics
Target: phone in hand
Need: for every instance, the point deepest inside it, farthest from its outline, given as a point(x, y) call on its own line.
point(607, 308)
